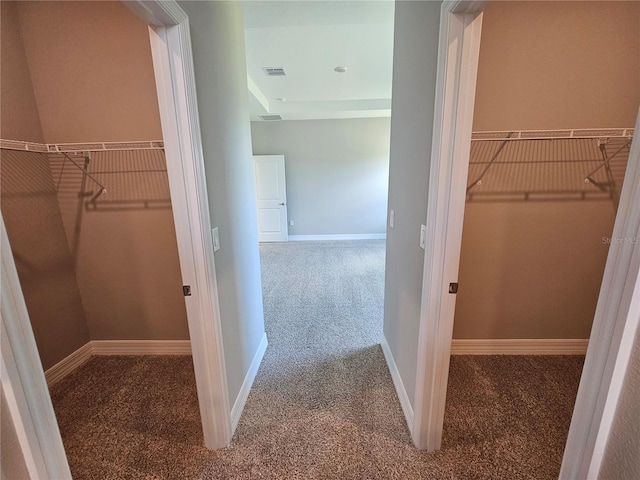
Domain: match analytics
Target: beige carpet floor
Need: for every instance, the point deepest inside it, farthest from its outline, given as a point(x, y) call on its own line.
point(323, 404)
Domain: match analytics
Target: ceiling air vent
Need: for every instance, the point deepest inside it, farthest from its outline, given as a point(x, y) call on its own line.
point(271, 117)
point(274, 71)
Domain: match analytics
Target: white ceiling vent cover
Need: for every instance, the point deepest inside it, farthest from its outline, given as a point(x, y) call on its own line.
point(270, 117)
point(274, 71)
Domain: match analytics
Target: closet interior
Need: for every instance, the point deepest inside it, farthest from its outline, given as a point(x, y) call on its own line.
point(540, 209)
point(85, 191)
point(547, 161)
point(81, 221)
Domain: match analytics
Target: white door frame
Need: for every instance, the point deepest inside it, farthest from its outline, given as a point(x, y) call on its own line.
point(618, 312)
point(458, 51)
point(23, 380)
point(176, 86)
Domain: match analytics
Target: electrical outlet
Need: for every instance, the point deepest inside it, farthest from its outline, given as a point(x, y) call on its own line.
point(423, 235)
point(392, 217)
point(216, 239)
point(291, 223)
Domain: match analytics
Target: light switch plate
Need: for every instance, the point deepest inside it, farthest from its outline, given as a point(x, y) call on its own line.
point(392, 217)
point(216, 239)
point(423, 235)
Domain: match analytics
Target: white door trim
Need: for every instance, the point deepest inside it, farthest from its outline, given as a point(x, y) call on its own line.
point(23, 380)
point(618, 312)
point(459, 46)
point(175, 83)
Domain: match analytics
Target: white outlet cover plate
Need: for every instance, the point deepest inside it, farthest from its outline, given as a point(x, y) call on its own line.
point(423, 235)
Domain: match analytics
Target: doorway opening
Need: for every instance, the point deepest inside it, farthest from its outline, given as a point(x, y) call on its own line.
point(545, 178)
point(605, 344)
point(85, 196)
point(29, 405)
point(319, 80)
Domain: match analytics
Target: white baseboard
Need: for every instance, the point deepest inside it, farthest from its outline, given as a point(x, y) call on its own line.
point(241, 399)
point(141, 347)
point(341, 236)
point(68, 364)
point(519, 347)
point(115, 347)
point(407, 409)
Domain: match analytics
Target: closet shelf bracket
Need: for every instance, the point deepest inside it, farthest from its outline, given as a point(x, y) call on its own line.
point(478, 181)
point(589, 177)
point(102, 190)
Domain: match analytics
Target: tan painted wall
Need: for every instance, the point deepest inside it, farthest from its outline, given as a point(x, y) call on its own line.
point(91, 67)
point(45, 267)
point(533, 269)
point(19, 118)
point(92, 72)
point(553, 65)
point(31, 212)
point(124, 246)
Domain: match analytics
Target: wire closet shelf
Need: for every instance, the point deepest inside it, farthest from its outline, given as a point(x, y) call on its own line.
point(548, 165)
point(133, 181)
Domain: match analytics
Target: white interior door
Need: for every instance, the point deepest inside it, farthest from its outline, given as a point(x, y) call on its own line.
point(271, 198)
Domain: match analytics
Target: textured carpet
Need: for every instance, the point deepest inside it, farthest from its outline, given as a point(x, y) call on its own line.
point(323, 404)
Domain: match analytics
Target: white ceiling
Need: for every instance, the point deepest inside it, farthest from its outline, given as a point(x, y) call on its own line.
point(309, 39)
